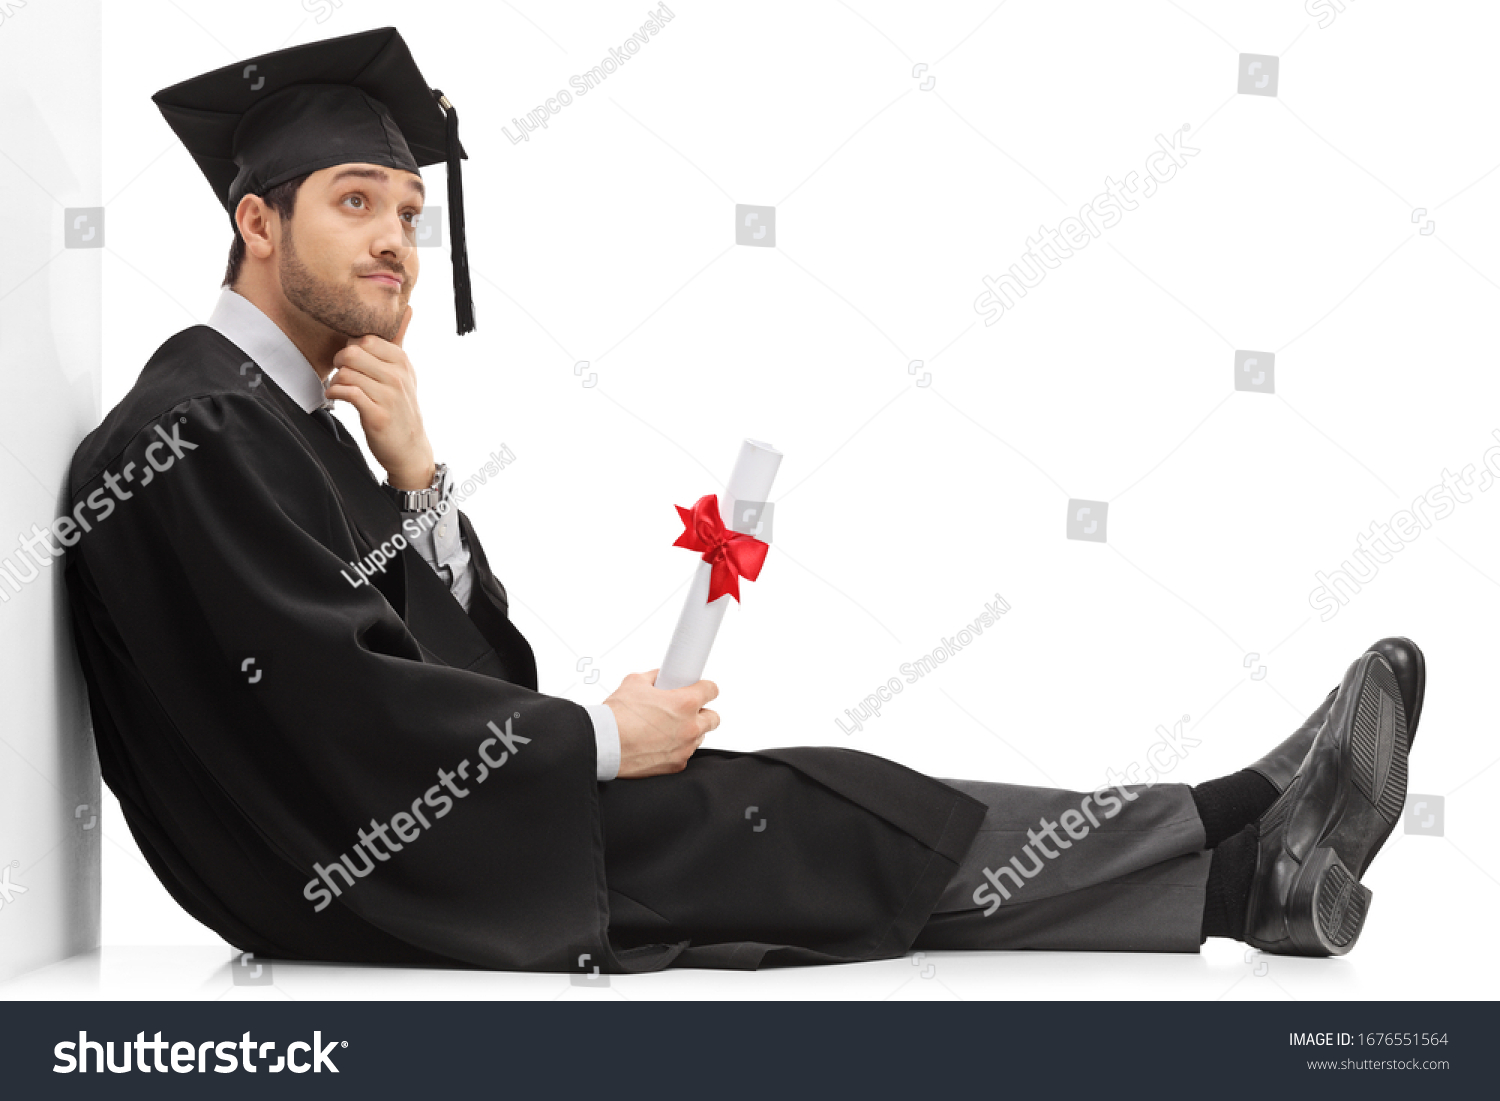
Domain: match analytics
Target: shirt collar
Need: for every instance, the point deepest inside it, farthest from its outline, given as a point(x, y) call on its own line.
point(242, 323)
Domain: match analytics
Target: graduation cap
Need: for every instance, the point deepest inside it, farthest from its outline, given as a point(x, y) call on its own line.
point(356, 98)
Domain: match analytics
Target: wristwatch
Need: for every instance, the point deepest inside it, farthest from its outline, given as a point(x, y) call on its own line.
point(418, 500)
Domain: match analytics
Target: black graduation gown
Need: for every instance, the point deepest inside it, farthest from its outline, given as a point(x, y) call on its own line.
point(258, 716)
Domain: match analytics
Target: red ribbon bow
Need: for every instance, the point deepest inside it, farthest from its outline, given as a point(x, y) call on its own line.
point(732, 554)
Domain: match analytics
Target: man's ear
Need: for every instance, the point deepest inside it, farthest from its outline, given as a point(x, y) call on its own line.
point(253, 217)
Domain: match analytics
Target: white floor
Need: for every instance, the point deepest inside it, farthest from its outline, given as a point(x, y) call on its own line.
point(1409, 951)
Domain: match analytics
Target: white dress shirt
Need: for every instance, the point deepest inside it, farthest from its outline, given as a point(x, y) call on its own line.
point(442, 546)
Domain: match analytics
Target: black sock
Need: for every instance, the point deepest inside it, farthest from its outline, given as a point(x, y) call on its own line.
point(1230, 803)
point(1231, 872)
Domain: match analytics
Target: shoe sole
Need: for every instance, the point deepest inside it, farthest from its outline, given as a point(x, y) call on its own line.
point(1419, 686)
point(1419, 662)
point(1326, 904)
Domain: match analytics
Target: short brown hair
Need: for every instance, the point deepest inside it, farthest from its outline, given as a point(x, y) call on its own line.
point(282, 199)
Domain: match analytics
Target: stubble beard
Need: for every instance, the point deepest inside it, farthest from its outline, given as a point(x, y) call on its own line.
point(339, 307)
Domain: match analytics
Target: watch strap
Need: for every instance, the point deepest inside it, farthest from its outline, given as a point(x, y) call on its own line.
point(419, 500)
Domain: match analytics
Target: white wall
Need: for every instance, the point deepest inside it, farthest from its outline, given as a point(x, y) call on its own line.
point(49, 397)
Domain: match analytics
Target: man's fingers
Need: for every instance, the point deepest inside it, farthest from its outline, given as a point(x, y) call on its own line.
point(708, 721)
point(350, 378)
point(379, 353)
point(354, 396)
point(356, 357)
point(707, 690)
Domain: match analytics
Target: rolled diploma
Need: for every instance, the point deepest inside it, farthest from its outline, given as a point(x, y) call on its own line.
point(698, 625)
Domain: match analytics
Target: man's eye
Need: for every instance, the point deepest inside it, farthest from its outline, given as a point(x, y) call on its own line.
point(355, 199)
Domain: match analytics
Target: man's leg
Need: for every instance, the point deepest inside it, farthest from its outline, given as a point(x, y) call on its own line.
point(1134, 872)
point(1121, 869)
point(1287, 844)
point(1124, 868)
point(823, 849)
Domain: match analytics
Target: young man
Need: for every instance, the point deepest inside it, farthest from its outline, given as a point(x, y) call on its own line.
point(326, 733)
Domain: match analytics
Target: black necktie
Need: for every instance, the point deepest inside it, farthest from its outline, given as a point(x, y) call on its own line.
point(329, 421)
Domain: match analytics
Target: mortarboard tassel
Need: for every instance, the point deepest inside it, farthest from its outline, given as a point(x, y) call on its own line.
point(463, 297)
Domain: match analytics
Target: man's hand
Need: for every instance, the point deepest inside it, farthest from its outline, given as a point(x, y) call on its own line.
point(660, 728)
point(375, 377)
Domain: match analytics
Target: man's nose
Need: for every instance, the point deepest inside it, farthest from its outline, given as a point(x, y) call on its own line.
point(395, 239)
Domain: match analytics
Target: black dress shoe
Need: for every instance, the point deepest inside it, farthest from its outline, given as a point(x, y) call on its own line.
point(1410, 667)
point(1317, 840)
point(1282, 763)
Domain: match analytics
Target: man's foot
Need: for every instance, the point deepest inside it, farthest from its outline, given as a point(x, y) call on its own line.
point(1410, 669)
point(1282, 763)
point(1318, 839)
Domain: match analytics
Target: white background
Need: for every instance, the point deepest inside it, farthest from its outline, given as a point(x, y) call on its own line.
point(901, 509)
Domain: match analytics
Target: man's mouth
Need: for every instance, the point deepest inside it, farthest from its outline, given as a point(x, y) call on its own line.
point(384, 277)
